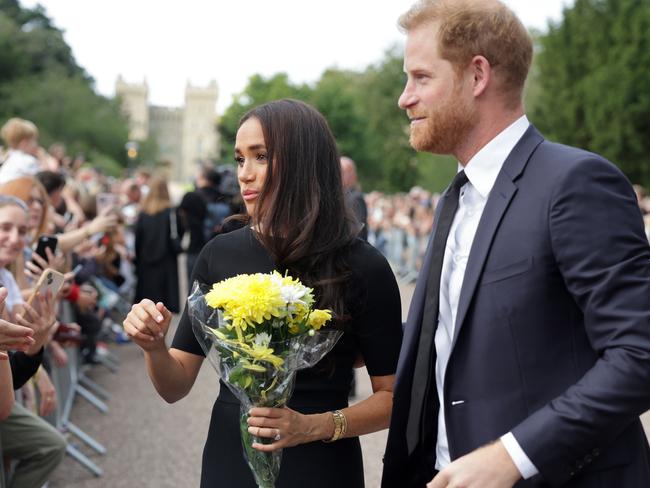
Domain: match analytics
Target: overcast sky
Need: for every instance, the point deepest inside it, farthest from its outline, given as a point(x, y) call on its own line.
point(173, 42)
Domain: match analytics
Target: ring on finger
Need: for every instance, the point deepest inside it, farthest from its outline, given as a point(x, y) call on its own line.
point(277, 435)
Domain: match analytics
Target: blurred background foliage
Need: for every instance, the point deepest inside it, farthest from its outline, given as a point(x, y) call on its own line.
point(41, 81)
point(589, 87)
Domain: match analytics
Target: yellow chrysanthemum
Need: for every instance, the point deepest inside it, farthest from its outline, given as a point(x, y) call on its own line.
point(247, 300)
point(318, 318)
point(261, 353)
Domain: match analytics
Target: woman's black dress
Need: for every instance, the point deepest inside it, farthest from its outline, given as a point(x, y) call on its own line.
point(374, 332)
point(156, 262)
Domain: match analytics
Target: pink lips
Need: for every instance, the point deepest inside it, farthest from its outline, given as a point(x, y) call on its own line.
point(250, 194)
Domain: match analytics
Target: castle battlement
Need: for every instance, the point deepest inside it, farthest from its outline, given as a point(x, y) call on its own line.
point(186, 136)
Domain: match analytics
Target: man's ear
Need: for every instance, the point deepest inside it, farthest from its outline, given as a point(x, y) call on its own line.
point(482, 74)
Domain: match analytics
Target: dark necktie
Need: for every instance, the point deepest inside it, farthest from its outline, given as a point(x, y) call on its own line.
point(423, 373)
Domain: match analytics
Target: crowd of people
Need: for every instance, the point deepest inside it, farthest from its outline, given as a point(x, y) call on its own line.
point(525, 355)
point(117, 242)
point(110, 241)
point(399, 225)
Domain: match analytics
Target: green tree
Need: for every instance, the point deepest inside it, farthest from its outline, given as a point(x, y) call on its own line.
point(594, 89)
point(259, 90)
point(361, 109)
point(41, 81)
point(335, 96)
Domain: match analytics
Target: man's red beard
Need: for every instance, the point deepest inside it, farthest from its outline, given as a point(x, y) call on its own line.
point(445, 128)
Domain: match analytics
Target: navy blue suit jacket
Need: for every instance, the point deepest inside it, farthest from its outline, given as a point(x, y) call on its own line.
point(552, 338)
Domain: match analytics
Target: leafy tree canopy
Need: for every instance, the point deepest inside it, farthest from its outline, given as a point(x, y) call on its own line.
point(593, 88)
point(41, 81)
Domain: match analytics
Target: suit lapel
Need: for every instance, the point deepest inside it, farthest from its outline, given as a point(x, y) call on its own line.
point(500, 197)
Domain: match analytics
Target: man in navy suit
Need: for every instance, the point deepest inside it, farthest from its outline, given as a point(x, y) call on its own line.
point(526, 354)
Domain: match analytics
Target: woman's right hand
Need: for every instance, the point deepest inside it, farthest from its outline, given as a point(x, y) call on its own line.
point(147, 324)
point(40, 320)
point(106, 221)
point(13, 336)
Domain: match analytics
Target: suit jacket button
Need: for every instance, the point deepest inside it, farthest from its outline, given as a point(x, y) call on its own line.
point(595, 452)
point(579, 465)
point(588, 459)
point(572, 473)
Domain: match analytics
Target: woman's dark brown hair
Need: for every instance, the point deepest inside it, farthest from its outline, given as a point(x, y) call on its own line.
point(302, 200)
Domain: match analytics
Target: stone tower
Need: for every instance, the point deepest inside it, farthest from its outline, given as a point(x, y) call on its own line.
point(135, 103)
point(185, 136)
point(200, 138)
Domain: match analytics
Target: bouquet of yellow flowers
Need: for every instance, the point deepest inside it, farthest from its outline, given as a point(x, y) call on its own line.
point(258, 330)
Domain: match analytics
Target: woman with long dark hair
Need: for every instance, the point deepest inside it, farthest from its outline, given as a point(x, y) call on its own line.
point(290, 179)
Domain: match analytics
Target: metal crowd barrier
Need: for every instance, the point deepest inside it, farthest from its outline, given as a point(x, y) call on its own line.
point(71, 381)
point(66, 382)
point(403, 251)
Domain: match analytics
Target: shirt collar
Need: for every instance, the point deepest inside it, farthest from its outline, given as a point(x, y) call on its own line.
point(482, 170)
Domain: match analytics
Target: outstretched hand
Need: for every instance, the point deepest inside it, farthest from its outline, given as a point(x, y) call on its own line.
point(12, 336)
point(39, 321)
point(147, 324)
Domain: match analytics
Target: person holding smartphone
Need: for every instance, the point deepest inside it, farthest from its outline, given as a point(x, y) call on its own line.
point(37, 447)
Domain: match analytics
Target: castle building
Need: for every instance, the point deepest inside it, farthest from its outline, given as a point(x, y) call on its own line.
point(185, 136)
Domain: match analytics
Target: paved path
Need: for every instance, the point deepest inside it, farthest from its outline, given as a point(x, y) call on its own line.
point(153, 444)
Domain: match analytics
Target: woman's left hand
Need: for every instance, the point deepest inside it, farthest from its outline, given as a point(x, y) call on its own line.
point(286, 427)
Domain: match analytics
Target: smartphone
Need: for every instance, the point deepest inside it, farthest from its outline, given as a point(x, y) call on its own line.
point(51, 280)
point(105, 201)
point(45, 242)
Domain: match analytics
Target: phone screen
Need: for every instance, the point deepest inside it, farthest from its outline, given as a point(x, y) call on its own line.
point(45, 242)
point(105, 201)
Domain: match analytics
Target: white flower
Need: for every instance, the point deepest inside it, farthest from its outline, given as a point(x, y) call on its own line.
point(293, 294)
point(262, 339)
point(276, 279)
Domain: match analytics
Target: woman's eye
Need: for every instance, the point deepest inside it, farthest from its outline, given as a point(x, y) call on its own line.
point(261, 157)
point(239, 160)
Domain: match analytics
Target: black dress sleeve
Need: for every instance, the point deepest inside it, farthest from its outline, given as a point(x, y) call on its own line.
point(378, 318)
point(184, 338)
point(23, 367)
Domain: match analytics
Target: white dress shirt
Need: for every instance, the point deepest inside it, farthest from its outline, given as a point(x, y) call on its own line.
point(482, 171)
